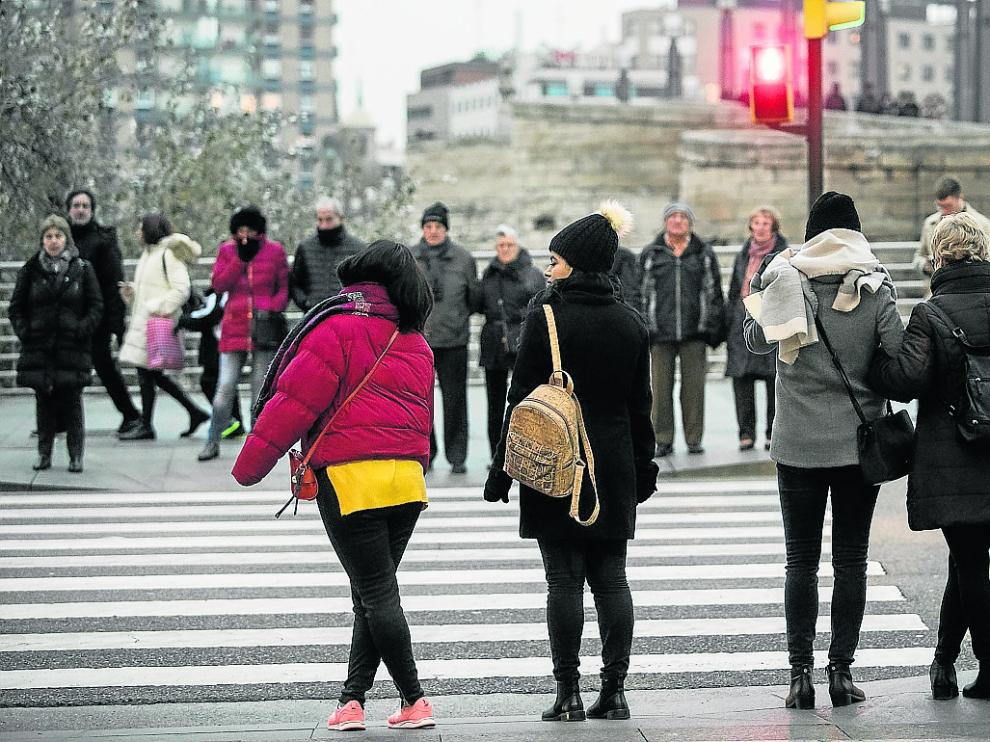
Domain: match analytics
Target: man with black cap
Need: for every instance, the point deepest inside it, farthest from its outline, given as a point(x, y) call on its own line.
point(681, 300)
point(453, 276)
point(98, 245)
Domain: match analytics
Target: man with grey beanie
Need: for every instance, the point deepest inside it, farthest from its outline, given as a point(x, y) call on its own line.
point(680, 297)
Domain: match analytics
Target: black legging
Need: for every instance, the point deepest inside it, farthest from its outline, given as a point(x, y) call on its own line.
point(148, 380)
point(966, 601)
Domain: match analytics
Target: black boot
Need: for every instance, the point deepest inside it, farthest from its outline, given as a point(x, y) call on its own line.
point(75, 464)
point(980, 688)
point(196, 418)
point(802, 692)
point(944, 683)
point(44, 462)
point(840, 686)
point(568, 706)
point(611, 702)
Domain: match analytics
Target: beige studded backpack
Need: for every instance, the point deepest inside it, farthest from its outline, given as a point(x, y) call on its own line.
point(546, 435)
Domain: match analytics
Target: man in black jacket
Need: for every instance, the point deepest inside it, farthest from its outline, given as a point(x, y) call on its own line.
point(314, 270)
point(98, 245)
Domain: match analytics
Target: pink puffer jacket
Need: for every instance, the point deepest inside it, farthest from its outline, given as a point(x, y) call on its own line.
point(262, 283)
point(391, 416)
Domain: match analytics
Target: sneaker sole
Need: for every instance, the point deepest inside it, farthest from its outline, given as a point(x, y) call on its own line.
point(418, 724)
point(347, 726)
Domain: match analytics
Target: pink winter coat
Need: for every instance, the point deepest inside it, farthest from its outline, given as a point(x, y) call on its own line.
point(262, 283)
point(391, 416)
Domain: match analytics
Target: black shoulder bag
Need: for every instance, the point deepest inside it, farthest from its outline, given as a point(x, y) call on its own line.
point(885, 445)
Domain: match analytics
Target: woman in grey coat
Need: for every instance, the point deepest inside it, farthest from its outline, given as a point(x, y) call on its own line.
point(835, 277)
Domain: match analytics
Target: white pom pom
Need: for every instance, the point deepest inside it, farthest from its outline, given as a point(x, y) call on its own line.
point(618, 216)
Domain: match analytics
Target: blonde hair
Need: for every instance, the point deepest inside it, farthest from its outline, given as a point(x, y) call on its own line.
point(960, 237)
point(767, 211)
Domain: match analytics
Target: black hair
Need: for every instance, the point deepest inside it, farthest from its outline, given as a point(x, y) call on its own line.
point(154, 227)
point(394, 267)
point(946, 187)
point(75, 192)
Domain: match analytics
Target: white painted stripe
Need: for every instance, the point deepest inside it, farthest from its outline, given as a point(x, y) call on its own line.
point(234, 580)
point(312, 524)
point(322, 556)
point(410, 603)
point(421, 634)
point(460, 668)
point(240, 510)
point(266, 540)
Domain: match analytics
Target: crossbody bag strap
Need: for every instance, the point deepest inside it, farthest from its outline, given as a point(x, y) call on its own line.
point(842, 372)
point(575, 511)
point(358, 388)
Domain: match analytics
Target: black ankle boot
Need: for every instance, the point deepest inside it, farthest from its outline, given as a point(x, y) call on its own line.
point(840, 686)
point(611, 702)
point(944, 683)
point(568, 706)
point(980, 688)
point(44, 462)
point(802, 692)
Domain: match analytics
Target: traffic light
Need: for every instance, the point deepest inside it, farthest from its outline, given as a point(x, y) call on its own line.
point(822, 16)
point(771, 94)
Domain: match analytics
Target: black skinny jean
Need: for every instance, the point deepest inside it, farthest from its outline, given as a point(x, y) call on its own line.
point(106, 368)
point(803, 496)
point(603, 564)
point(148, 380)
point(58, 407)
point(451, 369)
point(369, 545)
point(744, 391)
point(966, 600)
point(496, 388)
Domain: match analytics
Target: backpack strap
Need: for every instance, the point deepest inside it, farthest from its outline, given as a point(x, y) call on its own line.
point(558, 376)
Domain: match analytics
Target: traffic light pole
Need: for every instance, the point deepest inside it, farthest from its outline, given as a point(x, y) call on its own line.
point(814, 126)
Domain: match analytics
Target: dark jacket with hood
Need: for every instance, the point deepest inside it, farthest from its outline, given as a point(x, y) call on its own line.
point(949, 483)
point(605, 348)
point(314, 269)
point(681, 296)
point(54, 317)
point(505, 293)
point(99, 247)
point(453, 276)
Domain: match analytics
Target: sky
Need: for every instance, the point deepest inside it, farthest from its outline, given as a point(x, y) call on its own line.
point(383, 44)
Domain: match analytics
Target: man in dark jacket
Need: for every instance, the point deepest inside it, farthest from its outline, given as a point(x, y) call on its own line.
point(98, 246)
point(626, 269)
point(681, 300)
point(314, 270)
point(453, 277)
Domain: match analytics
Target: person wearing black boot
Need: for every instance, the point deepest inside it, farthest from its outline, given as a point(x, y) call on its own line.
point(947, 486)
point(54, 310)
point(604, 348)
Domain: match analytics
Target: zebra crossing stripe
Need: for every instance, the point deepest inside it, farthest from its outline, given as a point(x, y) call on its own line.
point(460, 669)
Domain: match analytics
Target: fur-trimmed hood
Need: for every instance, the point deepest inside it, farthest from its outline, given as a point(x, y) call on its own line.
point(183, 247)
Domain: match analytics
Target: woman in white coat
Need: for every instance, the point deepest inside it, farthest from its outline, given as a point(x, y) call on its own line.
point(161, 286)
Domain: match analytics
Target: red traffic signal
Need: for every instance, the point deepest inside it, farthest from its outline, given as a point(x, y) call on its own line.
point(771, 94)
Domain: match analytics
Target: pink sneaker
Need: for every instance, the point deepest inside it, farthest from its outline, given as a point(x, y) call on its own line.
point(347, 718)
point(417, 716)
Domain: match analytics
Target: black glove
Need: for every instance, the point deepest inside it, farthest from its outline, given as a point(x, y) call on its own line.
point(646, 482)
point(497, 486)
point(248, 248)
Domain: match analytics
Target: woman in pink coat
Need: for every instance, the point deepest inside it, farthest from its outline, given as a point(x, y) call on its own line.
point(254, 273)
point(371, 463)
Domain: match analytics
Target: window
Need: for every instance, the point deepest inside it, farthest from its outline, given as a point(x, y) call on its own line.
point(904, 72)
point(420, 112)
point(833, 69)
point(305, 70)
point(306, 33)
point(271, 69)
point(599, 89)
point(271, 101)
point(927, 73)
point(555, 88)
point(306, 104)
point(928, 41)
point(307, 50)
point(904, 40)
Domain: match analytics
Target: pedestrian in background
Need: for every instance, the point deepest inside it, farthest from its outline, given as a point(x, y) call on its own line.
point(453, 277)
point(54, 311)
point(254, 273)
point(605, 349)
point(314, 269)
point(370, 463)
point(626, 269)
point(161, 286)
point(836, 278)
point(682, 302)
point(949, 199)
point(742, 366)
point(507, 285)
point(948, 484)
point(98, 246)
point(834, 100)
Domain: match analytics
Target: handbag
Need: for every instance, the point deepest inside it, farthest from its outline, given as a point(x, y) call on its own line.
point(166, 346)
point(268, 327)
point(885, 445)
point(302, 478)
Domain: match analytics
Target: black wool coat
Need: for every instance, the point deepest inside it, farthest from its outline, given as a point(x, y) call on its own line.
point(505, 293)
point(741, 361)
point(55, 324)
point(625, 267)
point(604, 346)
point(313, 277)
point(949, 482)
point(98, 246)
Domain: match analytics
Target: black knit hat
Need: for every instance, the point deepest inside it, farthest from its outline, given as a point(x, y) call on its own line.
point(437, 212)
point(590, 243)
point(832, 211)
point(250, 217)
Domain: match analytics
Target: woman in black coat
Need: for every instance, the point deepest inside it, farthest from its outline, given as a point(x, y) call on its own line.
point(743, 366)
point(604, 347)
point(507, 285)
point(949, 484)
point(54, 310)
